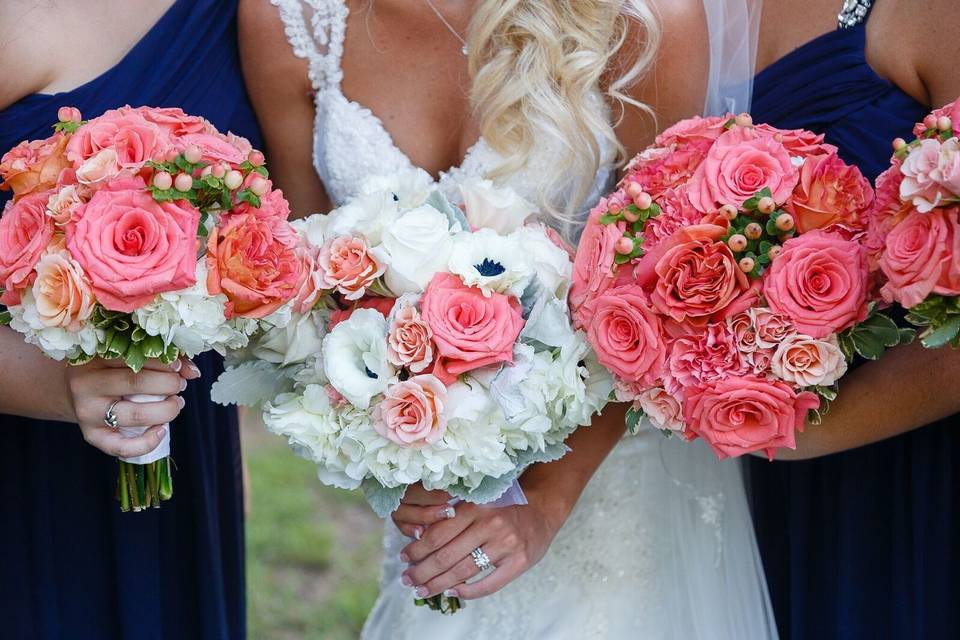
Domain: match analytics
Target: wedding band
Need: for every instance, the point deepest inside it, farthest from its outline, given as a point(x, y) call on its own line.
point(481, 559)
point(110, 418)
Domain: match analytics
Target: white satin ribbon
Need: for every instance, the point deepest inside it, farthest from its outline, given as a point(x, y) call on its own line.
point(163, 449)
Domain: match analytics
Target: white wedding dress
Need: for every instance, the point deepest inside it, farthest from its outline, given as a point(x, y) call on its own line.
point(660, 544)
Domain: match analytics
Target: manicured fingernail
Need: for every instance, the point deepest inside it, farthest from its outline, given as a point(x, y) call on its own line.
point(422, 592)
point(177, 365)
point(451, 593)
point(181, 402)
point(194, 369)
point(406, 581)
point(183, 384)
point(417, 533)
point(404, 557)
point(162, 432)
point(448, 513)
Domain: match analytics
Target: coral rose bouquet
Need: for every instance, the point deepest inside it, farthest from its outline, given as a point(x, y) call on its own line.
point(725, 285)
point(442, 351)
point(914, 228)
point(143, 233)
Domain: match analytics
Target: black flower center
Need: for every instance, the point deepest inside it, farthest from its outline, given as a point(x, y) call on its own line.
point(371, 374)
point(489, 268)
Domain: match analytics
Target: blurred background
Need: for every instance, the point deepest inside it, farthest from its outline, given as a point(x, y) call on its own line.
point(313, 552)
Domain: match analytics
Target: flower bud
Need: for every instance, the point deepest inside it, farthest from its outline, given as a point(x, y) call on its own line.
point(643, 200)
point(183, 182)
point(744, 119)
point(162, 180)
point(624, 246)
point(259, 186)
point(256, 158)
point(192, 154)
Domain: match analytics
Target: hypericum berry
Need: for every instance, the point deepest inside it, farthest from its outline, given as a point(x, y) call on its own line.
point(68, 114)
point(162, 180)
point(784, 222)
point(729, 212)
point(633, 190)
point(747, 264)
point(233, 179)
point(930, 122)
point(256, 158)
point(192, 154)
point(899, 143)
point(206, 171)
point(624, 246)
point(219, 170)
point(183, 182)
point(753, 231)
point(744, 119)
point(614, 207)
point(737, 242)
point(766, 205)
point(259, 186)
point(643, 200)
point(774, 251)
point(630, 216)
point(944, 123)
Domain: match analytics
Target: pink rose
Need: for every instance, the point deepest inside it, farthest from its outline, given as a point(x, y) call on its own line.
point(806, 362)
point(99, 168)
point(470, 330)
point(25, 232)
point(887, 211)
point(948, 166)
point(772, 328)
point(664, 410)
point(741, 163)
point(798, 142)
point(411, 412)
point(64, 205)
point(133, 247)
point(383, 305)
point(134, 139)
point(172, 120)
point(658, 169)
point(820, 282)
point(311, 287)
point(409, 340)
point(695, 129)
point(627, 335)
point(33, 165)
point(593, 267)
point(830, 192)
point(740, 415)
point(705, 357)
point(61, 292)
point(676, 213)
point(257, 271)
point(348, 265)
point(213, 148)
point(921, 183)
point(741, 325)
point(921, 257)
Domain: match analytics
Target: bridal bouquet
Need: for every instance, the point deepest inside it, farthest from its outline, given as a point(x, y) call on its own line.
point(143, 233)
point(441, 351)
point(725, 285)
point(914, 228)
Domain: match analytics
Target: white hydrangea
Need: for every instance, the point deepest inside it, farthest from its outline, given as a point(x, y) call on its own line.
point(551, 264)
point(56, 342)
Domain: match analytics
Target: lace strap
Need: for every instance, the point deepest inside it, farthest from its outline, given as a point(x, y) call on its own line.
point(316, 29)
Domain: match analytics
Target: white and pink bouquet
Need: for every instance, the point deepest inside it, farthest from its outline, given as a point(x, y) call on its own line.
point(724, 282)
point(915, 228)
point(143, 233)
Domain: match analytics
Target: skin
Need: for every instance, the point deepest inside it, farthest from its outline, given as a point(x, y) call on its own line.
point(38, 45)
point(381, 76)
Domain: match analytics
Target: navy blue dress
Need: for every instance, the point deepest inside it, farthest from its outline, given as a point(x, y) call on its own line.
point(71, 565)
point(861, 544)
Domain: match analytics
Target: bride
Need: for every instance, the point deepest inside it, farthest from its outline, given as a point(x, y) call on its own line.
point(647, 537)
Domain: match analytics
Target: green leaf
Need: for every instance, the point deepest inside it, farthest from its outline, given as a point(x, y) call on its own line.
point(868, 345)
point(827, 393)
point(729, 123)
point(765, 193)
point(883, 328)
point(134, 357)
point(609, 218)
point(633, 419)
point(152, 346)
point(262, 171)
point(4, 317)
point(941, 335)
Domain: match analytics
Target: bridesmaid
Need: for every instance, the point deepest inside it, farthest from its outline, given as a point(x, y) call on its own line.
point(71, 565)
point(860, 544)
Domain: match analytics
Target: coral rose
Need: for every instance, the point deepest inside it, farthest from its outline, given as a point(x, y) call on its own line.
point(820, 282)
point(133, 247)
point(348, 265)
point(25, 232)
point(663, 409)
point(922, 256)
point(830, 192)
point(34, 165)
point(627, 335)
point(470, 330)
point(132, 137)
point(411, 412)
point(61, 292)
point(740, 415)
point(593, 267)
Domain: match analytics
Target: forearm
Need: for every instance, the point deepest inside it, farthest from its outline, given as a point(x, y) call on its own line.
point(907, 388)
point(564, 480)
point(31, 384)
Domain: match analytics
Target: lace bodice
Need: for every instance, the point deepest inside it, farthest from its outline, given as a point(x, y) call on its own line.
point(350, 143)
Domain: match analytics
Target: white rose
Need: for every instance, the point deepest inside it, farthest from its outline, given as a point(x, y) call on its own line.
point(293, 342)
point(365, 215)
point(551, 264)
point(313, 228)
point(355, 357)
point(809, 362)
point(491, 262)
point(491, 207)
point(418, 243)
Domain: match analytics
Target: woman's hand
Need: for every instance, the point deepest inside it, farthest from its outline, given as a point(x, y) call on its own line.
point(421, 508)
point(95, 386)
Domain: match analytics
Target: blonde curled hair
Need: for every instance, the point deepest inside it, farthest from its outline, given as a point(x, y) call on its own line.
point(536, 66)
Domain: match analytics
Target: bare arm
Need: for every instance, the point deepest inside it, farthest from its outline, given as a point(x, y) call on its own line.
point(281, 94)
point(20, 394)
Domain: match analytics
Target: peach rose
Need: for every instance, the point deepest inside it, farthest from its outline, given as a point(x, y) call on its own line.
point(411, 412)
point(593, 267)
point(921, 257)
point(64, 205)
point(133, 247)
point(409, 340)
point(830, 192)
point(311, 287)
point(33, 165)
point(627, 336)
point(740, 415)
point(348, 265)
point(820, 282)
point(255, 270)
point(470, 330)
point(25, 232)
point(99, 168)
point(705, 357)
point(807, 362)
point(741, 163)
point(62, 294)
point(923, 182)
point(772, 328)
point(131, 136)
point(664, 410)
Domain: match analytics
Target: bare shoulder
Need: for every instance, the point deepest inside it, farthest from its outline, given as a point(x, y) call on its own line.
point(268, 56)
point(23, 64)
point(936, 47)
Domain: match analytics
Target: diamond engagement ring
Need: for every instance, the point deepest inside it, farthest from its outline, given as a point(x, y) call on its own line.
point(110, 418)
point(481, 559)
